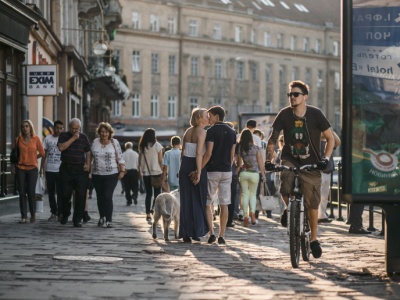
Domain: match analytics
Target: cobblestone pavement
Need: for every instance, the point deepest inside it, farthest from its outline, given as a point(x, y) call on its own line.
point(46, 260)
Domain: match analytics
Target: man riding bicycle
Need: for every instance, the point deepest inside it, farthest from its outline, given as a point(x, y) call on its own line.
point(302, 126)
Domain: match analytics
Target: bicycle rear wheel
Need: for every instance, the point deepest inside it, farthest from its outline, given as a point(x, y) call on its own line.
point(294, 233)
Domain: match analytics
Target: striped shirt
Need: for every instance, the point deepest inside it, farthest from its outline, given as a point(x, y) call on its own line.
point(76, 153)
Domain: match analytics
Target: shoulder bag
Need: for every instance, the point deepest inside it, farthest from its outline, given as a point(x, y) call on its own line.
point(14, 155)
point(268, 202)
point(155, 180)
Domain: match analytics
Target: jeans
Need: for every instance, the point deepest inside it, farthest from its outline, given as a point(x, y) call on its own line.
point(26, 189)
point(73, 178)
point(249, 182)
point(105, 186)
point(54, 186)
point(149, 193)
point(131, 181)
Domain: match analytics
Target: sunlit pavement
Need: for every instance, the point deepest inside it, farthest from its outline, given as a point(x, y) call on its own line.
point(47, 260)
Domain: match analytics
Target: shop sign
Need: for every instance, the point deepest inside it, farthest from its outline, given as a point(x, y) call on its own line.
point(42, 80)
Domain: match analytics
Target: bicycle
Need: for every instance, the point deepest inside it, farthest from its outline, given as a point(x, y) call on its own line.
point(298, 227)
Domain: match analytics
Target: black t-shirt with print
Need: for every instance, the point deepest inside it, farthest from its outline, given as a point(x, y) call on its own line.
point(298, 132)
point(223, 138)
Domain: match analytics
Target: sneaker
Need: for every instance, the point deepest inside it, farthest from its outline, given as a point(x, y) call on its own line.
point(230, 225)
point(22, 221)
point(316, 249)
point(284, 218)
point(240, 215)
point(221, 240)
point(211, 239)
point(109, 225)
point(53, 217)
point(269, 214)
point(86, 217)
point(63, 220)
point(324, 220)
point(101, 222)
point(78, 224)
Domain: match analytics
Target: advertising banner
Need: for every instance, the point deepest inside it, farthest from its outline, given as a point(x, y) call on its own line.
point(42, 80)
point(375, 107)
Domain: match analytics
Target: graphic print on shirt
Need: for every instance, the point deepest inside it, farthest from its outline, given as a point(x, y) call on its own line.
point(299, 145)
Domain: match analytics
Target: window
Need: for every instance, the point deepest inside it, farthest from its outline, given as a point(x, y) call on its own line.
point(306, 42)
point(171, 25)
point(193, 28)
point(136, 20)
point(293, 41)
point(254, 71)
point(217, 101)
point(239, 70)
point(307, 77)
point(295, 73)
point(320, 79)
point(267, 39)
point(268, 107)
point(136, 105)
point(279, 40)
point(335, 48)
point(154, 63)
point(171, 107)
point(238, 34)
point(194, 66)
point(154, 23)
point(218, 68)
point(154, 106)
point(117, 107)
point(194, 102)
point(282, 75)
point(136, 61)
point(172, 65)
point(217, 32)
point(317, 46)
point(337, 80)
point(253, 36)
point(268, 73)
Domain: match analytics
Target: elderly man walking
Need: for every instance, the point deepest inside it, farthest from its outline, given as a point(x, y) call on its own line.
point(74, 171)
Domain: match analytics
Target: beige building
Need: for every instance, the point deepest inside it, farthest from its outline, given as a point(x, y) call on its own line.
point(241, 54)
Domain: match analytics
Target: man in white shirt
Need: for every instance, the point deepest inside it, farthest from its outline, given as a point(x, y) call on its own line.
point(171, 164)
point(50, 164)
point(131, 178)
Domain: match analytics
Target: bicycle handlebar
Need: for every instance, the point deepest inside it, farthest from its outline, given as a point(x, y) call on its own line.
point(305, 167)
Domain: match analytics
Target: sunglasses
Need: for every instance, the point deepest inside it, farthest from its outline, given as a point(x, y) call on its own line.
point(294, 94)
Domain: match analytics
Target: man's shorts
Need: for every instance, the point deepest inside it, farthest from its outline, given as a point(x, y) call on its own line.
point(220, 181)
point(310, 185)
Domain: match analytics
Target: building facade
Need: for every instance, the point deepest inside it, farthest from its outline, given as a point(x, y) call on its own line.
point(177, 55)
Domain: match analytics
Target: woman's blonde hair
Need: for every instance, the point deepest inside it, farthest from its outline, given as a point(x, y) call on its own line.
point(197, 114)
point(30, 126)
point(106, 126)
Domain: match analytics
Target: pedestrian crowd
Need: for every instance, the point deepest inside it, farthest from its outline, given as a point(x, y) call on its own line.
point(217, 170)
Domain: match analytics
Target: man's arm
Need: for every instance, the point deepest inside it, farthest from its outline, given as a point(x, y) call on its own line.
point(330, 142)
point(86, 167)
point(207, 155)
point(338, 142)
point(273, 138)
point(65, 145)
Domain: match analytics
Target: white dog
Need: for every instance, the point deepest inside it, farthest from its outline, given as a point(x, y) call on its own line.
point(167, 206)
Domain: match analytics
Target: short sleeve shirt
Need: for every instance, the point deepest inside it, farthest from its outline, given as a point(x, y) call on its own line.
point(172, 159)
point(223, 138)
point(53, 159)
point(301, 135)
point(76, 152)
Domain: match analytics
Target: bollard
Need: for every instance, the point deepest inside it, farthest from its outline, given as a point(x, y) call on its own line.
point(339, 193)
point(371, 218)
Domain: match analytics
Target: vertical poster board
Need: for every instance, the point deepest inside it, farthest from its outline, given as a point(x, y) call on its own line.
point(371, 101)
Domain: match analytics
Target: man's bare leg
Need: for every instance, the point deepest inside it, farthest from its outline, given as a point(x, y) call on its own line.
point(223, 218)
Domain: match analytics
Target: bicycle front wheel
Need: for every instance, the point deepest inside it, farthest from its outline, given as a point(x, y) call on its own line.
point(294, 233)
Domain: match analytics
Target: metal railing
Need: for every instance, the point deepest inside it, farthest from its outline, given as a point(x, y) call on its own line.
point(337, 191)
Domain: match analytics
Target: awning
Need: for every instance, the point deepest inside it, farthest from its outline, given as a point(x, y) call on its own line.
point(138, 133)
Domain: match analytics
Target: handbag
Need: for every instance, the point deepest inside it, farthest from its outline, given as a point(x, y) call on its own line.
point(14, 155)
point(155, 180)
point(116, 159)
point(268, 202)
point(40, 188)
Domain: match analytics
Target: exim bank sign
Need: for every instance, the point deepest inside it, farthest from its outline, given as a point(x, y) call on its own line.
point(42, 80)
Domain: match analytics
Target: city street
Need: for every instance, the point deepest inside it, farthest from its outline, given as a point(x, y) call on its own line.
point(46, 260)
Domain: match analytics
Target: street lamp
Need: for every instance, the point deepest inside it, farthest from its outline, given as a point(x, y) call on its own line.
point(100, 47)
